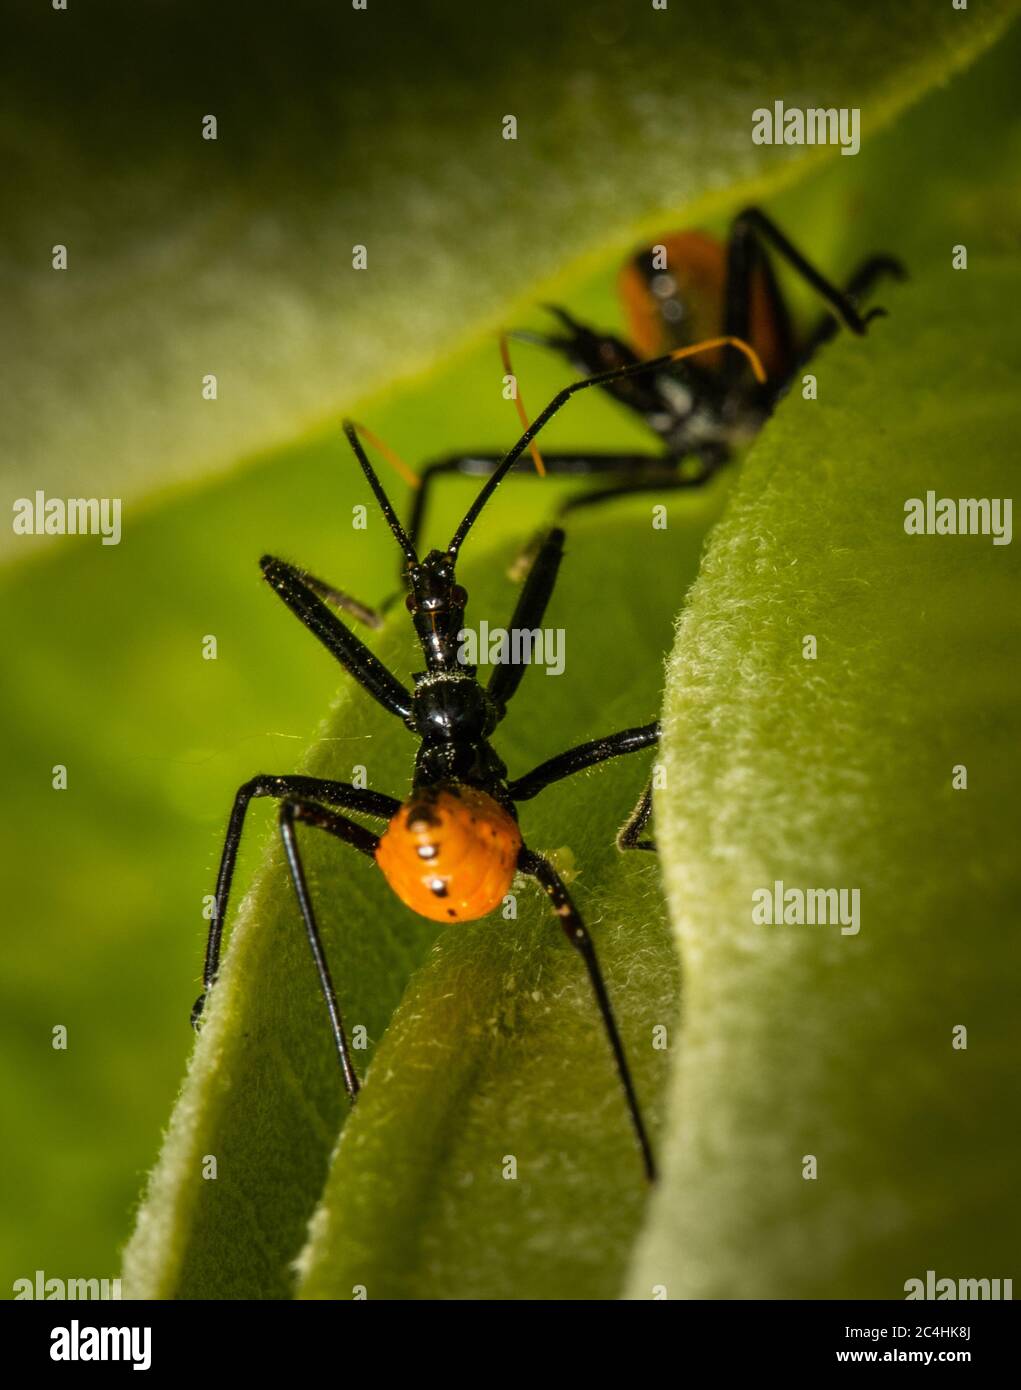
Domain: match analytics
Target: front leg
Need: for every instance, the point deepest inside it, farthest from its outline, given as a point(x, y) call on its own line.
point(753, 227)
point(361, 799)
point(370, 673)
point(859, 285)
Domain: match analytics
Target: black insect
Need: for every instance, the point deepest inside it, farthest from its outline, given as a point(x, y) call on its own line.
point(451, 849)
point(688, 287)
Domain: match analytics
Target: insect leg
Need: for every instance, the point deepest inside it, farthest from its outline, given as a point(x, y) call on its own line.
point(529, 612)
point(577, 934)
point(360, 799)
point(751, 225)
point(365, 841)
point(628, 837)
point(748, 266)
point(371, 617)
point(585, 755)
point(660, 475)
point(482, 465)
point(339, 640)
point(514, 454)
point(860, 283)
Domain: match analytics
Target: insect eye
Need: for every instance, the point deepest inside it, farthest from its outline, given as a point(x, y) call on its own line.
point(410, 603)
point(459, 595)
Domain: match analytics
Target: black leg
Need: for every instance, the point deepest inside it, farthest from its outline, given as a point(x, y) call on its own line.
point(872, 269)
point(353, 834)
point(577, 934)
point(359, 799)
point(349, 650)
point(638, 473)
point(528, 613)
point(629, 835)
point(483, 465)
point(514, 454)
point(666, 479)
point(577, 759)
point(746, 260)
point(752, 224)
point(371, 617)
point(590, 351)
point(860, 283)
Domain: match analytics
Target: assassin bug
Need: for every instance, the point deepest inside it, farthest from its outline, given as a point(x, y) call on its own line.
point(451, 849)
point(685, 288)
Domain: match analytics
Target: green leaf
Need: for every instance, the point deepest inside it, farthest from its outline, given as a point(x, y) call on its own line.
point(379, 128)
point(837, 772)
point(105, 671)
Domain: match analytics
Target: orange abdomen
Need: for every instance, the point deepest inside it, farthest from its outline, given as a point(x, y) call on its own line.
point(450, 853)
point(694, 283)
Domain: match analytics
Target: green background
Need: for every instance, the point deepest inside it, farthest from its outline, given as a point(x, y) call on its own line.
point(104, 670)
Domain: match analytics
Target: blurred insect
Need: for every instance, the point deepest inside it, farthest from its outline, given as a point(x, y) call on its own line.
point(450, 851)
point(687, 287)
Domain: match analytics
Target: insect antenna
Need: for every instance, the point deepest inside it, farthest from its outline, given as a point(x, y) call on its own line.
point(400, 535)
